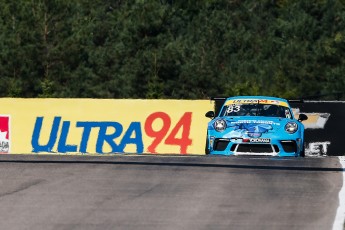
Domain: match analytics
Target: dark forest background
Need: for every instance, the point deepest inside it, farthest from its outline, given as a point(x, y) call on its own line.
point(172, 49)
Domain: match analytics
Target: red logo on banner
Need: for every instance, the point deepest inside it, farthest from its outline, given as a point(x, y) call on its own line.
point(4, 134)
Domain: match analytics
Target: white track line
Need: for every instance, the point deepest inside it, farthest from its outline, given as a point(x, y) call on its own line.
point(340, 217)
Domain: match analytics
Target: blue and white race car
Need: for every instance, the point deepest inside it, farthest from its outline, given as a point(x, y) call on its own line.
point(255, 125)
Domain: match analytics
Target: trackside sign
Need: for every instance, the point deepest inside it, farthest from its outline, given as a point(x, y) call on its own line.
point(104, 126)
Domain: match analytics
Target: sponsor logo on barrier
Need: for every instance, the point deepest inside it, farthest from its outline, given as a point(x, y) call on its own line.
point(4, 134)
point(317, 148)
point(315, 120)
point(110, 132)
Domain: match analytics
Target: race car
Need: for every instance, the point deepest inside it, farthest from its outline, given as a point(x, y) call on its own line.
point(255, 125)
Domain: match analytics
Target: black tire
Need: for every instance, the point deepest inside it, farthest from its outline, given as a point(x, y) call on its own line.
point(207, 151)
point(302, 153)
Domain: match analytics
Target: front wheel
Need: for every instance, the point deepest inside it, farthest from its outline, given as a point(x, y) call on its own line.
point(302, 153)
point(207, 150)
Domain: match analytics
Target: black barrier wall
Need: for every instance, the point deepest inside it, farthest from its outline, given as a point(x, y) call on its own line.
point(325, 128)
point(324, 134)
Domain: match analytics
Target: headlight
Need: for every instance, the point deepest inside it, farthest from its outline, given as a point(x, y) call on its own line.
point(291, 127)
point(220, 125)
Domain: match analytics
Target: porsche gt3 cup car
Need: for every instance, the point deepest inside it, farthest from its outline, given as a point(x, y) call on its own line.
point(255, 125)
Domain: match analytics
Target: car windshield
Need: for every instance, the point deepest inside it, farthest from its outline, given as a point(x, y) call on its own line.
point(256, 109)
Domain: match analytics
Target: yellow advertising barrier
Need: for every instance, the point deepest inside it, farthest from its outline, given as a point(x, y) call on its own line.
point(103, 126)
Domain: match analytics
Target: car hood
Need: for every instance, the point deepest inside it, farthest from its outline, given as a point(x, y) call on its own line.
point(242, 127)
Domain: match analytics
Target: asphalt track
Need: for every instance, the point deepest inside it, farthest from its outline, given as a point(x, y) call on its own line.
point(168, 192)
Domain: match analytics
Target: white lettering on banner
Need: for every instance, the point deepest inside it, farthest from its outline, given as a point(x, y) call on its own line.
point(317, 148)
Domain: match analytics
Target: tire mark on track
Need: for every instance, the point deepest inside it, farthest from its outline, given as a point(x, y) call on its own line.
point(21, 188)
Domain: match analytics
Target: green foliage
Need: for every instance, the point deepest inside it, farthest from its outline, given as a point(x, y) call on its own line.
point(46, 86)
point(172, 49)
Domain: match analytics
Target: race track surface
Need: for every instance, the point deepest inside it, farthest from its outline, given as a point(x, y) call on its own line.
point(168, 192)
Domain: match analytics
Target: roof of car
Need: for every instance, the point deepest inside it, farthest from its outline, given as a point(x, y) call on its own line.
point(259, 99)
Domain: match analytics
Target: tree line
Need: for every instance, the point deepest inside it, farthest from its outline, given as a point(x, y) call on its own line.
point(172, 49)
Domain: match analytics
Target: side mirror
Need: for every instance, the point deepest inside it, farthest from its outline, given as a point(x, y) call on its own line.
point(302, 117)
point(210, 114)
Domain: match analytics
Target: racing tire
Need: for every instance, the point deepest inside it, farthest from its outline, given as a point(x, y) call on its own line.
point(207, 151)
point(302, 153)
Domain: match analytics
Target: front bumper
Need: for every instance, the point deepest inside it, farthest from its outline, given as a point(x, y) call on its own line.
point(240, 146)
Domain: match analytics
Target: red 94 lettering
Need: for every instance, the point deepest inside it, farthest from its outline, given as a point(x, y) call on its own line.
point(184, 124)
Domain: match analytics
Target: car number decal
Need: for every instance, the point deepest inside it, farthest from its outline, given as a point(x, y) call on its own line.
point(233, 108)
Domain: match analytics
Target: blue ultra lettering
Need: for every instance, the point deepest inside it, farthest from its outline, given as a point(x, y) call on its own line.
point(36, 146)
point(102, 135)
point(134, 128)
point(86, 134)
point(62, 146)
point(109, 138)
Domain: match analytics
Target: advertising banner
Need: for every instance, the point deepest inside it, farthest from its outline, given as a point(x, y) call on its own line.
point(103, 126)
